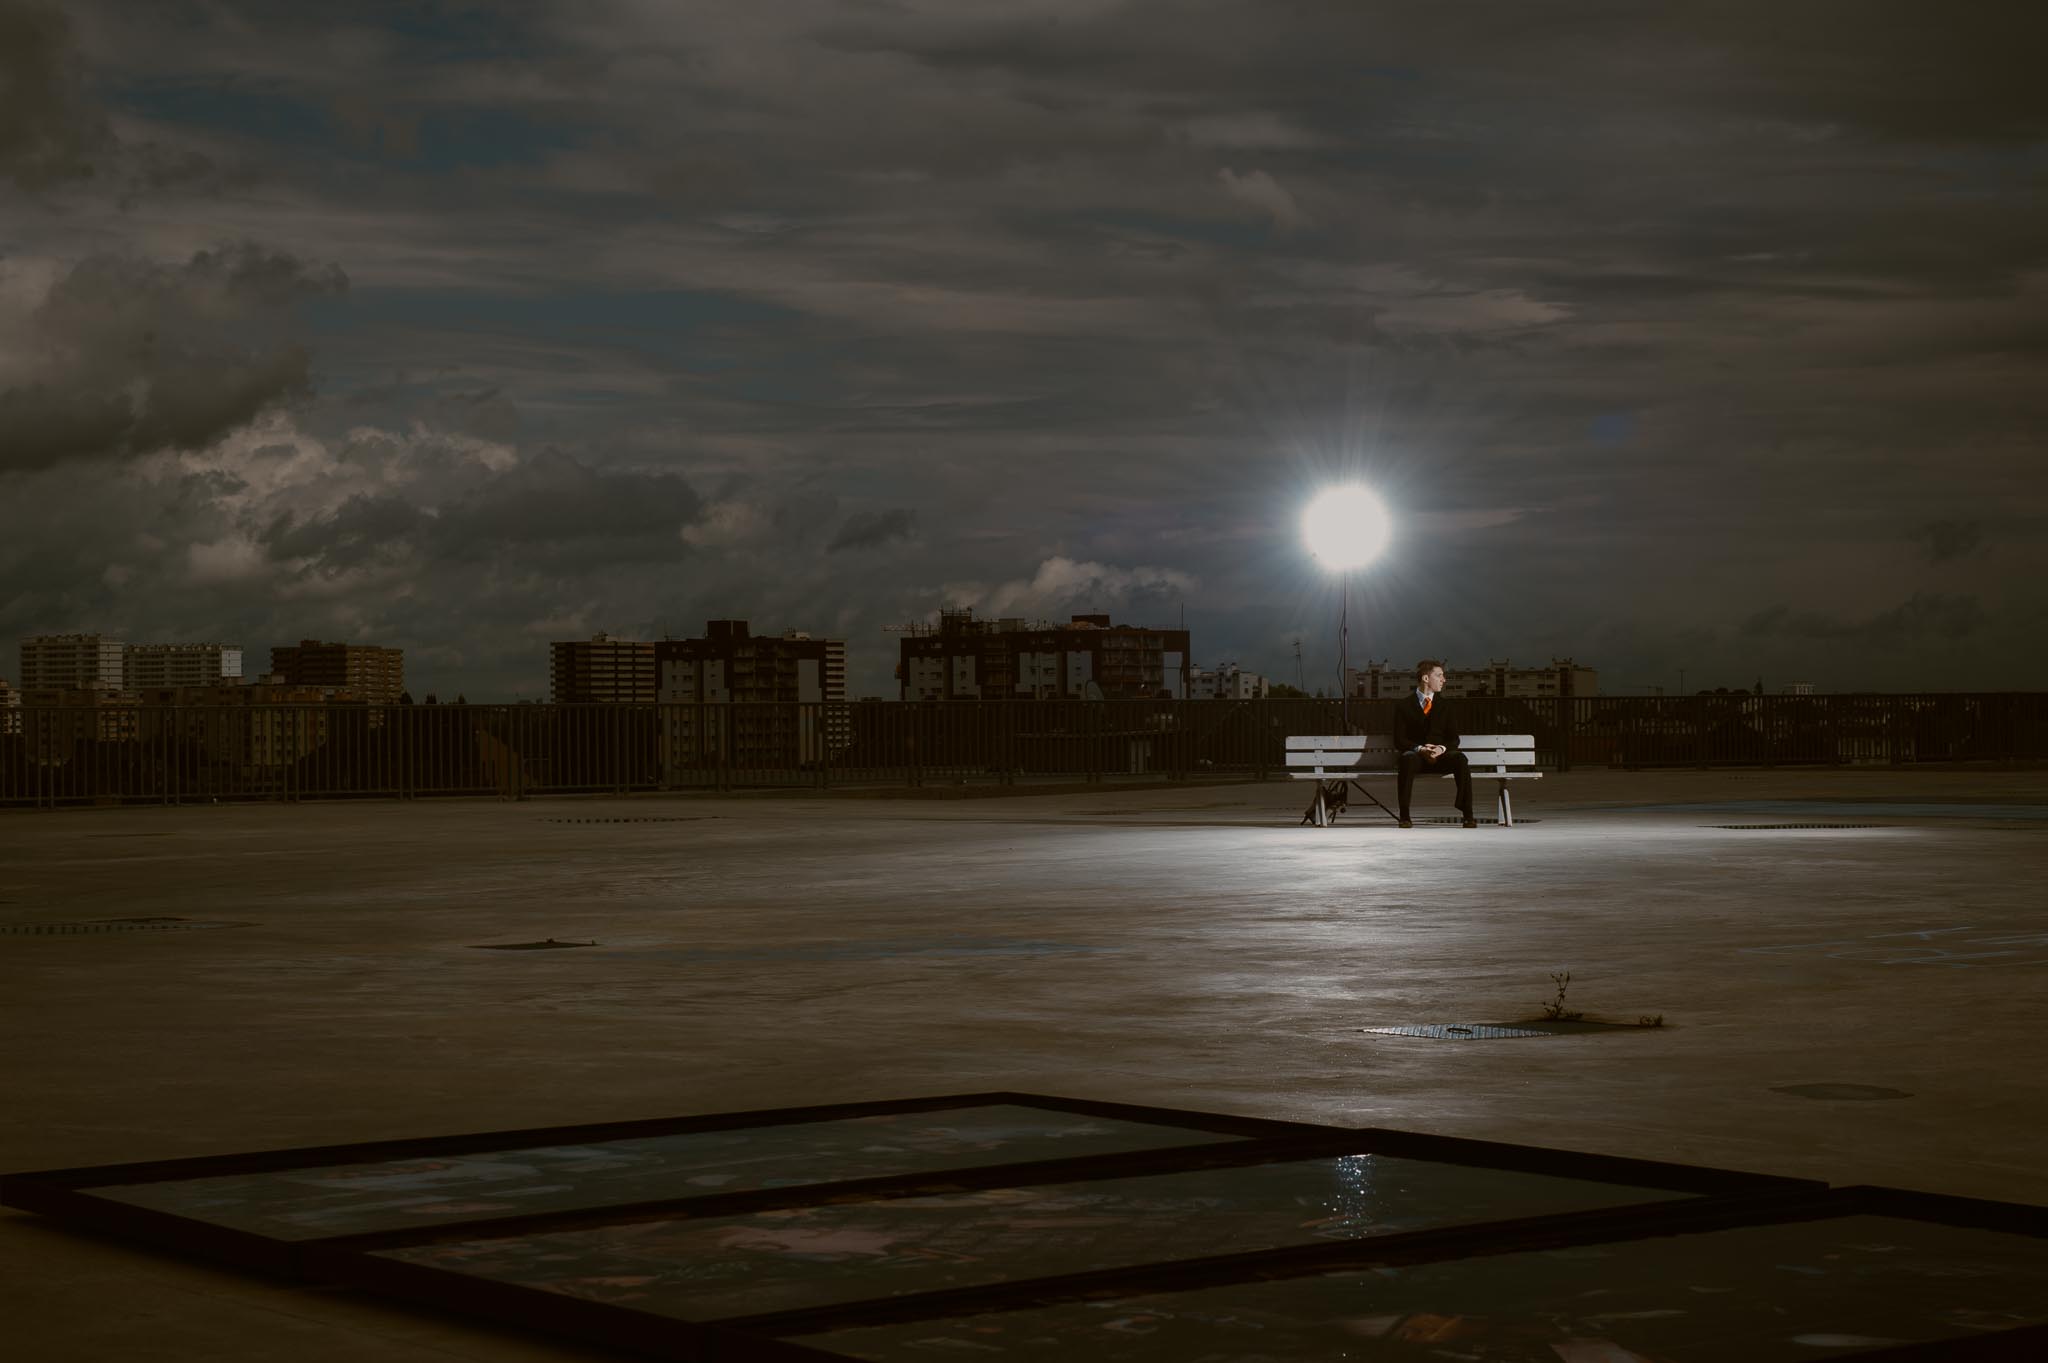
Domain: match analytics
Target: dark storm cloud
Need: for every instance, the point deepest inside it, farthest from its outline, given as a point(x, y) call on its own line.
point(135, 356)
point(1934, 616)
point(362, 530)
point(555, 499)
point(1945, 541)
point(1643, 315)
point(49, 133)
point(551, 509)
point(1885, 66)
point(1880, 65)
point(55, 135)
point(873, 529)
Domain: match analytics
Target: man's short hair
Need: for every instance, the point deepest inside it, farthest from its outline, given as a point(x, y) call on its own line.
point(1425, 667)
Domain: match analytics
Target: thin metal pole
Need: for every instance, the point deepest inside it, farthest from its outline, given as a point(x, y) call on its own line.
point(1343, 644)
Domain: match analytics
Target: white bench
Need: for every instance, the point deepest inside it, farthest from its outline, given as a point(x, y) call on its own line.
point(1336, 764)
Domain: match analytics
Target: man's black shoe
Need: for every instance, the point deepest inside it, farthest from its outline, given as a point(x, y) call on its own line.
point(1407, 823)
point(1471, 822)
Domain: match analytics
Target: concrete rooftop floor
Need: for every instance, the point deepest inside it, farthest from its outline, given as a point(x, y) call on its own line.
point(1189, 947)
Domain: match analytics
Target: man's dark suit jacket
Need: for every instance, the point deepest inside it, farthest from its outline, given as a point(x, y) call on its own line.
point(1412, 728)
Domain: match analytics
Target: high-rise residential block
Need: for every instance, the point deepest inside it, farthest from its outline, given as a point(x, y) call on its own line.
point(153, 665)
point(1378, 681)
point(369, 672)
point(787, 693)
point(1088, 658)
point(601, 670)
point(69, 662)
point(731, 663)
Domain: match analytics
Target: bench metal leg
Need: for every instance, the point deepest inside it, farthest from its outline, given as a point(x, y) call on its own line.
point(1507, 807)
point(1333, 798)
point(1362, 789)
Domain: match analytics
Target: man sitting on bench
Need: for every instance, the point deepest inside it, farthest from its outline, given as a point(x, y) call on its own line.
point(1427, 741)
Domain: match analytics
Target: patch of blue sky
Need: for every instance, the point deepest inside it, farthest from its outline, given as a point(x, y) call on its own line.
point(451, 32)
point(1612, 428)
point(1984, 172)
point(229, 106)
point(695, 332)
point(451, 139)
point(442, 138)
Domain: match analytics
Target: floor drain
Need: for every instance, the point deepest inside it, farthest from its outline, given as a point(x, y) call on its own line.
point(1773, 827)
point(1854, 1093)
point(1453, 820)
point(114, 925)
point(1455, 1031)
point(549, 945)
point(641, 818)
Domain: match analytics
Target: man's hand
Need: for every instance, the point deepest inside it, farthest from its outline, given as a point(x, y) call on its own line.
point(1433, 751)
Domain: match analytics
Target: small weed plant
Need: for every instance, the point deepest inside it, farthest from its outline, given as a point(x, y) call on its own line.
point(1555, 1011)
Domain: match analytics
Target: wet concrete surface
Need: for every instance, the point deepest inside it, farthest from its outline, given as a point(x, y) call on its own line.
point(1857, 1004)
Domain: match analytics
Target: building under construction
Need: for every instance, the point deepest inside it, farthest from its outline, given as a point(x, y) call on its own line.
point(1086, 659)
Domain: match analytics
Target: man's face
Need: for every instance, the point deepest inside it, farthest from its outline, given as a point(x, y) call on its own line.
point(1433, 680)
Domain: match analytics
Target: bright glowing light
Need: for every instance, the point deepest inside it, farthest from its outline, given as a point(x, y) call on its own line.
point(1346, 527)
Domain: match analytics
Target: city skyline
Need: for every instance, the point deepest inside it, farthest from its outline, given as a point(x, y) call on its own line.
point(1497, 675)
point(1482, 663)
point(1703, 344)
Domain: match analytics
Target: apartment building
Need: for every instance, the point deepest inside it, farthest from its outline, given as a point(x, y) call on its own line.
point(601, 670)
point(369, 672)
point(1564, 677)
point(146, 666)
point(1227, 683)
point(64, 662)
point(1087, 658)
point(58, 721)
point(266, 722)
point(787, 695)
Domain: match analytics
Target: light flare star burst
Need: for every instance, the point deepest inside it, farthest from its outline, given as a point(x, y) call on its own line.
point(1346, 527)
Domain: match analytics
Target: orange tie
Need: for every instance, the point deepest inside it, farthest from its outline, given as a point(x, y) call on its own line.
point(1427, 701)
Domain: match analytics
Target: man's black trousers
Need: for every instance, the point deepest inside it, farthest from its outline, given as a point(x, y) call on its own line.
point(1452, 762)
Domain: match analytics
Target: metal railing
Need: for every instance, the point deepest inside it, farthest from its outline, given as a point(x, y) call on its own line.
point(123, 754)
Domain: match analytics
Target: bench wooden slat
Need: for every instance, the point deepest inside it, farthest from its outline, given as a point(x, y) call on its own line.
point(1339, 742)
point(1332, 773)
point(1385, 762)
point(1369, 742)
point(1312, 755)
point(1354, 742)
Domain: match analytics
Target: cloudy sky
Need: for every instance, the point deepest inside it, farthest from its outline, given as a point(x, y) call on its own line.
point(1709, 337)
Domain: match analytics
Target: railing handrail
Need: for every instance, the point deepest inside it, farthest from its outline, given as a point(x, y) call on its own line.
point(123, 752)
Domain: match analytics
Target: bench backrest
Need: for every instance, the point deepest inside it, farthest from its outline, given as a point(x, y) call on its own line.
point(1339, 755)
